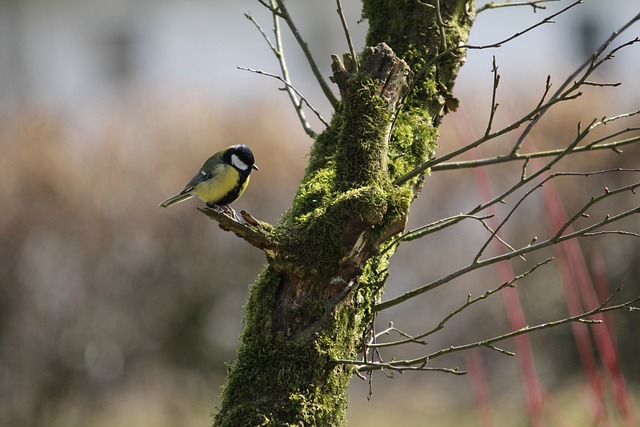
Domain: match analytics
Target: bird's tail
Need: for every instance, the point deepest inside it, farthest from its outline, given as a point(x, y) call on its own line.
point(175, 199)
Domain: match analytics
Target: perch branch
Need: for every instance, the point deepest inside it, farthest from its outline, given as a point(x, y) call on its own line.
point(255, 232)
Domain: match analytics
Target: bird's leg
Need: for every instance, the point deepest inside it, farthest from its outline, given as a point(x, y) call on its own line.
point(229, 210)
point(225, 209)
point(233, 212)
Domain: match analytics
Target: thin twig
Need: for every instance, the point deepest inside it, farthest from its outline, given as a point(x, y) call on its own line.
point(423, 230)
point(391, 366)
point(441, 25)
point(500, 350)
point(347, 35)
point(495, 235)
point(547, 20)
point(620, 232)
point(579, 214)
point(589, 66)
point(594, 200)
point(547, 87)
point(264, 35)
point(284, 14)
point(601, 84)
point(562, 94)
point(392, 328)
point(489, 343)
point(541, 154)
point(494, 90)
point(290, 86)
point(278, 51)
point(285, 74)
point(523, 181)
point(609, 219)
point(535, 4)
point(468, 303)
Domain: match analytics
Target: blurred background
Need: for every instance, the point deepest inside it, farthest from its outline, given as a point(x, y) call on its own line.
point(115, 312)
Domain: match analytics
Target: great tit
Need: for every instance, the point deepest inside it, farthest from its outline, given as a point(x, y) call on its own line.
point(221, 180)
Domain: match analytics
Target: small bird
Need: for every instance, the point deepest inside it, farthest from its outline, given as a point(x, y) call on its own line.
point(221, 180)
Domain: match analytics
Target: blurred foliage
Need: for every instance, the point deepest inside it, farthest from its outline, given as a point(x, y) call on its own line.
point(111, 306)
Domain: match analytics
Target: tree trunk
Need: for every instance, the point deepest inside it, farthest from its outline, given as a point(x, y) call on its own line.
point(312, 304)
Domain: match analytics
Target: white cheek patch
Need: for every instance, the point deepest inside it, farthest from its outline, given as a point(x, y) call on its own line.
point(235, 161)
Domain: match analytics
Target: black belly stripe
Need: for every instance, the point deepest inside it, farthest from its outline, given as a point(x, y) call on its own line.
point(232, 195)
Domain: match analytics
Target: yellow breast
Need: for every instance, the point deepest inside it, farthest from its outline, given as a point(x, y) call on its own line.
point(225, 186)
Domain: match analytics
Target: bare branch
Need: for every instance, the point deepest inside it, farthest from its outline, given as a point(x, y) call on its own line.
point(284, 14)
point(423, 230)
point(309, 131)
point(255, 232)
point(494, 105)
point(278, 51)
point(535, 4)
point(586, 83)
point(588, 66)
point(579, 214)
point(567, 91)
point(392, 328)
point(594, 200)
point(264, 35)
point(547, 88)
point(523, 181)
point(547, 20)
point(441, 26)
point(495, 235)
point(489, 343)
point(541, 154)
point(392, 366)
point(620, 232)
point(500, 350)
point(469, 302)
point(581, 135)
point(557, 238)
point(347, 35)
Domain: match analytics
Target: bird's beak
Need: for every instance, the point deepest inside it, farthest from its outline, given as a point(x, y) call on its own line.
point(255, 167)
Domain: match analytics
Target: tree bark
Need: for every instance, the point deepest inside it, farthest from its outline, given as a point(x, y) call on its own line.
point(312, 304)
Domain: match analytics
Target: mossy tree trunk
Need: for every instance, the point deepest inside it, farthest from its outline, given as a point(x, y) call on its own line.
point(313, 302)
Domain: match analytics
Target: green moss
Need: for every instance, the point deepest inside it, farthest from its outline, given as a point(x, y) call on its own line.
point(343, 181)
point(361, 154)
point(413, 142)
point(314, 193)
point(269, 365)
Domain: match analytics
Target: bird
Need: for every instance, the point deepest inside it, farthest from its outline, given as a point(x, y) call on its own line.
point(221, 180)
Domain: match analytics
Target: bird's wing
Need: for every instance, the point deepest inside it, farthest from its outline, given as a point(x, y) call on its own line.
point(199, 177)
